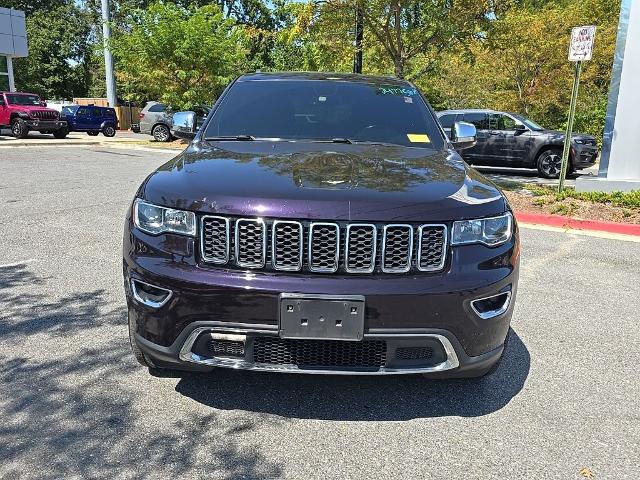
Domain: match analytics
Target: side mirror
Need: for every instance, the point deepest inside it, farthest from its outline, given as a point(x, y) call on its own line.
point(463, 135)
point(520, 128)
point(184, 125)
point(43, 104)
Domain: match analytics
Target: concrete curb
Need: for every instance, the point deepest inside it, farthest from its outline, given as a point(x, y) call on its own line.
point(578, 224)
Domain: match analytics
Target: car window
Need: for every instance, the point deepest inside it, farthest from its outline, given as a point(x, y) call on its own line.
point(324, 110)
point(157, 107)
point(82, 112)
point(499, 121)
point(480, 120)
point(96, 112)
point(109, 112)
point(448, 120)
point(67, 110)
point(22, 99)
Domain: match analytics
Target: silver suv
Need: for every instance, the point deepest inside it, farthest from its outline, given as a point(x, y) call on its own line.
point(156, 119)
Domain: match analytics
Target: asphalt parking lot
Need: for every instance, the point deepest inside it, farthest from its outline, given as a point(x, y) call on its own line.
point(75, 404)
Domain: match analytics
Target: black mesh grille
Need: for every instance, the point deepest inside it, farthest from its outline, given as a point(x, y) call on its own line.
point(414, 353)
point(432, 247)
point(250, 238)
point(226, 348)
point(324, 244)
point(361, 248)
point(396, 256)
point(287, 246)
point(44, 114)
point(320, 353)
point(215, 246)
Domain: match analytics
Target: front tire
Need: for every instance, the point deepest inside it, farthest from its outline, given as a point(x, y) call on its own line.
point(19, 129)
point(161, 133)
point(109, 131)
point(61, 133)
point(549, 163)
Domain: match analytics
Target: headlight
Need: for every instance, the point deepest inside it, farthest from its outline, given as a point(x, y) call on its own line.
point(154, 219)
point(490, 231)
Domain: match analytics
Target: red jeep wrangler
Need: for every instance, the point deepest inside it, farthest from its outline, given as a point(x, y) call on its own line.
point(22, 112)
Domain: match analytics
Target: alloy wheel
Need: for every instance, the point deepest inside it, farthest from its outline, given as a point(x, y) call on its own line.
point(161, 133)
point(552, 164)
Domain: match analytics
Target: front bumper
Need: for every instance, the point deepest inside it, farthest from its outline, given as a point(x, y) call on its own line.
point(46, 125)
point(584, 156)
point(403, 310)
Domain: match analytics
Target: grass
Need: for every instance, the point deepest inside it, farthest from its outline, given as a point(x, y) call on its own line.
point(548, 194)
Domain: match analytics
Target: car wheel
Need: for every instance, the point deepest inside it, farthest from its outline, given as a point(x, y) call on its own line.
point(549, 163)
point(60, 133)
point(93, 134)
point(19, 129)
point(161, 133)
point(135, 349)
point(109, 131)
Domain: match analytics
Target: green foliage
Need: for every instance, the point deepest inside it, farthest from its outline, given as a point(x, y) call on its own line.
point(181, 56)
point(59, 50)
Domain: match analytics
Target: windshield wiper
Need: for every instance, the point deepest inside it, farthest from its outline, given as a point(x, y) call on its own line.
point(240, 138)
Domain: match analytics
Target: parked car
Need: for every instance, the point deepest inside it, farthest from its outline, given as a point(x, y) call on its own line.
point(156, 120)
point(23, 112)
point(511, 140)
point(91, 119)
point(320, 223)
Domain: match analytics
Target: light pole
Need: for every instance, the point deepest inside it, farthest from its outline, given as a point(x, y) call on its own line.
point(108, 58)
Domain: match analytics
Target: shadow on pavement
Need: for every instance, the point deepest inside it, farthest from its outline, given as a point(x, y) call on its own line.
point(75, 404)
point(352, 398)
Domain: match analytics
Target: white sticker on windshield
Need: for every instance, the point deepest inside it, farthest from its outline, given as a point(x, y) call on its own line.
point(408, 100)
point(322, 99)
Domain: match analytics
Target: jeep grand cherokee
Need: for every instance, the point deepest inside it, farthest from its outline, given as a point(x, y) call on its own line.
point(320, 223)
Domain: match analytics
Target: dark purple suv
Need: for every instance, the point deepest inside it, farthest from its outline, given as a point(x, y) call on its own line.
point(320, 223)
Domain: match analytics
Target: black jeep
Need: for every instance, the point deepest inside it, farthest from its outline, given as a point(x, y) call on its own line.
point(511, 140)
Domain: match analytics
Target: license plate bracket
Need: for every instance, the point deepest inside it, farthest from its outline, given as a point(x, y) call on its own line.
point(321, 317)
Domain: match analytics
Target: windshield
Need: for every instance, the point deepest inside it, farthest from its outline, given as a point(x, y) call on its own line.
point(528, 122)
point(325, 110)
point(14, 99)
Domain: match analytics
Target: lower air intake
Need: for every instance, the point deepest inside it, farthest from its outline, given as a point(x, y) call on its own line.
point(320, 353)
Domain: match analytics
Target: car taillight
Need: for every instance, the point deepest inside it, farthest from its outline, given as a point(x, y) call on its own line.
point(141, 116)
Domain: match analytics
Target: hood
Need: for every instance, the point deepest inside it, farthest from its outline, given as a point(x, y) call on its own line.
point(559, 135)
point(323, 181)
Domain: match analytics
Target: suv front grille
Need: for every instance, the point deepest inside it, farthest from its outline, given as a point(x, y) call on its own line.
point(44, 114)
point(320, 353)
point(322, 247)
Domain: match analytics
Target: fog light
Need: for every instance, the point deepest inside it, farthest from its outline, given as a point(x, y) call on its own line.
point(149, 295)
point(489, 307)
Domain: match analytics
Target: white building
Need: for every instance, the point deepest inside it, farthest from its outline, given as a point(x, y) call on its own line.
point(13, 43)
point(619, 161)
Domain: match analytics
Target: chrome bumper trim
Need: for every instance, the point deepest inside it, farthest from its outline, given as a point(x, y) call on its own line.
point(486, 315)
point(187, 355)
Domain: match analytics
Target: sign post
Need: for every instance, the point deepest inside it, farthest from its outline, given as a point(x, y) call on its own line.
point(580, 50)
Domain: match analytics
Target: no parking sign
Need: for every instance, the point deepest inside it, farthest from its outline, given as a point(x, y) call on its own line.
point(581, 44)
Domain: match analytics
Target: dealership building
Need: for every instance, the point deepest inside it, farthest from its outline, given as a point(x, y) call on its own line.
point(13, 43)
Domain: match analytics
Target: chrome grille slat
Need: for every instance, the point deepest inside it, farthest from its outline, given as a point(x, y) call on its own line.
point(360, 248)
point(214, 239)
point(397, 248)
point(324, 247)
point(251, 242)
point(432, 247)
point(287, 245)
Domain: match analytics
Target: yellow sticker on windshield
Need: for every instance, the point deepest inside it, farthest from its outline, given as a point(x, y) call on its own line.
point(418, 137)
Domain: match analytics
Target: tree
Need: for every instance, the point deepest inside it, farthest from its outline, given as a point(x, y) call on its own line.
point(408, 29)
point(59, 47)
point(181, 56)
